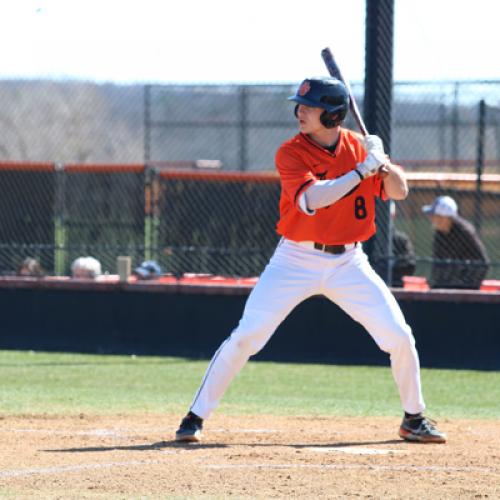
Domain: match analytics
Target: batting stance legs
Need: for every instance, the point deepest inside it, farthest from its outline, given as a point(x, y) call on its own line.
point(296, 272)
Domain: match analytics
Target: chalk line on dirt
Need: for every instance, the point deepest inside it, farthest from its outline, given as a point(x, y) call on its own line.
point(354, 450)
point(74, 468)
point(118, 432)
point(389, 468)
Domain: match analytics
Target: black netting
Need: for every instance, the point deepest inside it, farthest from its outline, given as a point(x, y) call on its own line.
point(480, 209)
point(27, 200)
point(445, 135)
point(199, 221)
point(217, 225)
point(103, 215)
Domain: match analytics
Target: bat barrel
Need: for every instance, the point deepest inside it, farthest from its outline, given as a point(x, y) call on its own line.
point(334, 70)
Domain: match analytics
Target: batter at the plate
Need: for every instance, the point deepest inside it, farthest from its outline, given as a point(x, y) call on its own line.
point(329, 181)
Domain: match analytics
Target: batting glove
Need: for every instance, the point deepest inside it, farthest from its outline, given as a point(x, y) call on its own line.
point(373, 143)
point(372, 163)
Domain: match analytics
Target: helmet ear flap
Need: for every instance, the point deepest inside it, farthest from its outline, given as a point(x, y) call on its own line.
point(329, 120)
point(296, 111)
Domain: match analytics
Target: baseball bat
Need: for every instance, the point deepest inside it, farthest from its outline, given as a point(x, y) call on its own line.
point(334, 70)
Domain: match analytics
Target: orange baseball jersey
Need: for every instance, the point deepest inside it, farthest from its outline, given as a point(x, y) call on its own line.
point(300, 162)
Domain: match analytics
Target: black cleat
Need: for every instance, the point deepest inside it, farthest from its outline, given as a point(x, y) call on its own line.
point(190, 429)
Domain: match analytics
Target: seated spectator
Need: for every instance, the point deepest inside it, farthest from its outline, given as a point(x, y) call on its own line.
point(30, 267)
point(86, 267)
point(459, 256)
point(148, 270)
point(404, 259)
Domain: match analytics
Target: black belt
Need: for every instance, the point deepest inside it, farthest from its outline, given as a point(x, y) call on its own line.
point(335, 249)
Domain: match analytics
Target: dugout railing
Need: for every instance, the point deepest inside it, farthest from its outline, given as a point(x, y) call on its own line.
point(191, 219)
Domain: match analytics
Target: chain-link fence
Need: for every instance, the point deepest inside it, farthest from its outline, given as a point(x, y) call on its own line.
point(435, 124)
point(193, 220)
point(55, 213)
point(96, 196)
point(27, 224)
point(479, 204)
point(100, 213)
point(218, 223)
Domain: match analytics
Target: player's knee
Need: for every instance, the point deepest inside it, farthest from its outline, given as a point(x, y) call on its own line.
point(250, 346)
point(404, 341)
point(253, 340)
point(252, 335)
point(397, 339)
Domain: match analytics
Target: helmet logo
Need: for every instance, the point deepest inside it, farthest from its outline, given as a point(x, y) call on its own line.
point(304, 88)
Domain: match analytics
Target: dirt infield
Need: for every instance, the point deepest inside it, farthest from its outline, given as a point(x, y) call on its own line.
point(243, 457)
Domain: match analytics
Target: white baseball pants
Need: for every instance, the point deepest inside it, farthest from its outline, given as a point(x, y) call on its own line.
point(295, 273)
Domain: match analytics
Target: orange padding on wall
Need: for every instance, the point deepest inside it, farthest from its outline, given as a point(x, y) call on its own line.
point(419, 283)
point(103, 168)
point(38, 166)
point(170, 279)
point(199, 279)
point(415, 283)
point(490, 286)
point(221, 176)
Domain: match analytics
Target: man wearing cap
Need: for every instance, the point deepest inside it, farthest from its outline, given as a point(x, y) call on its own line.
point(459, 257)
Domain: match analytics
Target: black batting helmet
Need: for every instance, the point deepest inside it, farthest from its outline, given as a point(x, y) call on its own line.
point(327, 93)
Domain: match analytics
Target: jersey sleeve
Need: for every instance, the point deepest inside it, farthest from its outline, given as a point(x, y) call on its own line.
point(295, 176)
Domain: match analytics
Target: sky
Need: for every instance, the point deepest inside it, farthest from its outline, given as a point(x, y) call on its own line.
point(235, 41)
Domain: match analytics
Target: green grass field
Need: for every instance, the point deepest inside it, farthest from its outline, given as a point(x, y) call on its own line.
point(54, 383)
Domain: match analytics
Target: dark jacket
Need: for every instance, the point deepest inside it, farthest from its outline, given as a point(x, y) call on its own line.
point(460, 258)
point(404, 257)
point(404, 260)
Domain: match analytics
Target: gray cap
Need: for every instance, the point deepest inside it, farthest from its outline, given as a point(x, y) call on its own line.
point(445, 206)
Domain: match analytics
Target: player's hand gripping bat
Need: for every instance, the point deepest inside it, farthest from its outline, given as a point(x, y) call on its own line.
point(334, 71)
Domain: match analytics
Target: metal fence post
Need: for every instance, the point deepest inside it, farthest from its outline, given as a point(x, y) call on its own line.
point(442, 131)
point(147, 123)
point(60, 233)
point(243, 125)
point(150, 214)
point(378, 107)
point(481, 129)
point(455, 121)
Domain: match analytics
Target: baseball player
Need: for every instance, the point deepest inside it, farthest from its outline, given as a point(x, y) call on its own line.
point(329, 181)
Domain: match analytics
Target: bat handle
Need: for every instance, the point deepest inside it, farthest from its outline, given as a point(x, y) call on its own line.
point(383, 171)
